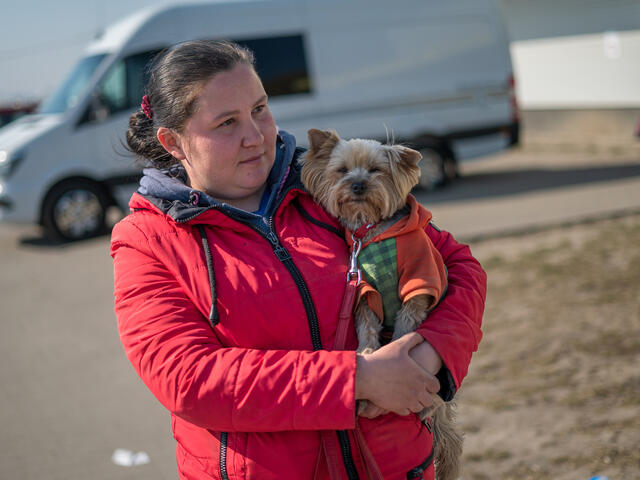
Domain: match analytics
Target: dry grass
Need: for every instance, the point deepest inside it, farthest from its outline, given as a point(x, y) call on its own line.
point(554, 391)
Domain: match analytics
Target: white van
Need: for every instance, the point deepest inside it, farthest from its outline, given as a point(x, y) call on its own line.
point(436, 75)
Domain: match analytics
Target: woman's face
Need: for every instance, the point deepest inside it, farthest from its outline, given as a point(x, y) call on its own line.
point(229, 143)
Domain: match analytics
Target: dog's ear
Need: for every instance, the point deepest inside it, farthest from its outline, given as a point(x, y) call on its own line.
point(322, 142)
point(407, 155)
point(314, 162)
point(404, 167)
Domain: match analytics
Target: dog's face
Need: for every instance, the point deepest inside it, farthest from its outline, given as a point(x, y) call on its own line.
point(359, 181)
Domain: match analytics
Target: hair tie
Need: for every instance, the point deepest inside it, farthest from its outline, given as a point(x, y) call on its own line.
point(146, 107)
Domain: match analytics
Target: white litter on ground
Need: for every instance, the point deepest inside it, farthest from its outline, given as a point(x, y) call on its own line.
point(127, 458)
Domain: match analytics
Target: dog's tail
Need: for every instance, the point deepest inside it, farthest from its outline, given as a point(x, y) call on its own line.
point(448, 440)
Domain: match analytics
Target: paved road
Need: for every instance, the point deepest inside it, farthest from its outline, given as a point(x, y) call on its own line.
point(69, 397)
point(521, 192)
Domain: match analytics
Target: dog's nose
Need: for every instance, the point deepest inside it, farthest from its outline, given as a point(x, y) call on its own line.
point(358, 188)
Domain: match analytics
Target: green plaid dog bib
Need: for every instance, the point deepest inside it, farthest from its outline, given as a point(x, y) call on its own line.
point(378, 263)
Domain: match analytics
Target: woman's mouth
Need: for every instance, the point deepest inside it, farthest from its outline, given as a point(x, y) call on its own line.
point(255, 158)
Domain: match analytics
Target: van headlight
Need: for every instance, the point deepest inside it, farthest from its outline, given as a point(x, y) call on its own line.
point(9, 162)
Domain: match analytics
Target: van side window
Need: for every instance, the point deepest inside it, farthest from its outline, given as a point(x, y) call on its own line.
point(281, 63)
point(138, 67)
point(121, 88)
point(112, 93)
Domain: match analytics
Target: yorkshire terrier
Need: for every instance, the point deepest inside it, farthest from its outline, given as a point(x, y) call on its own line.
point(367, 185)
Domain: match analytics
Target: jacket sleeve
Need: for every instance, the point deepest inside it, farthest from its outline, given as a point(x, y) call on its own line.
point(453, 327)
point(174, 350)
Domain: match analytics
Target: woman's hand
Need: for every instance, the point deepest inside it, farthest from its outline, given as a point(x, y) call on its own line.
point(371, 410)
point(427, 357)
point(392, 380)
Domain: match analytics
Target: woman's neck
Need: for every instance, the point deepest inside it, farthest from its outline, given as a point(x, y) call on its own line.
point(250, 203)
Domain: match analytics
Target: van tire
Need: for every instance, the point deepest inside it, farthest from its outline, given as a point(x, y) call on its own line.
point(437, 167)
point(75, 209)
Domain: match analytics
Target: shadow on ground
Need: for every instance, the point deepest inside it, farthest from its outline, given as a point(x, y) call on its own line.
point(42, 241)
point(494, 184)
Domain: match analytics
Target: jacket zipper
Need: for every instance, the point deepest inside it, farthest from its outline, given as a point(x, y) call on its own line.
point(223, 456)
point(347, 456)
point(312, 318)
point(285, 258)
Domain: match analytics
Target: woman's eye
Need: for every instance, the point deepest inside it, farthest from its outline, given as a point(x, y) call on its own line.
point(343, 170)
point(259, 108)
point(227, 122)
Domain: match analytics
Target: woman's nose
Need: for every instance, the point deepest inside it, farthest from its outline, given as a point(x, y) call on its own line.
point(252, 135)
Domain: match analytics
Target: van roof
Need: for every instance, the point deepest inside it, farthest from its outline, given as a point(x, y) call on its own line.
point(159, 26)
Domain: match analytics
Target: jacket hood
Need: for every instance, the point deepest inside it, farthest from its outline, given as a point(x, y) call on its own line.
point(168, 191)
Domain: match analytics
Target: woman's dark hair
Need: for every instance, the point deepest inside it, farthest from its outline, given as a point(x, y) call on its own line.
point(176, 79)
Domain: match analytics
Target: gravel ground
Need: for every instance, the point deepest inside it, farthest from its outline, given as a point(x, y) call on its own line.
point(554, 390)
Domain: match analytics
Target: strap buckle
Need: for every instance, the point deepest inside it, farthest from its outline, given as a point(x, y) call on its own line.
point(354, 272)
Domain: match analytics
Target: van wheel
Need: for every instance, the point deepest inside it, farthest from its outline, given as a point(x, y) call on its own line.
point(436, 168)
point(74, 210)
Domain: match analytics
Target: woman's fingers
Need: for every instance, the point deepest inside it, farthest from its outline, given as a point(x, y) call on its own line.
point(427, 357)
point(407, 343)
point(371, 410)
point(426, 400)
point(432, 384)
point(391, 379)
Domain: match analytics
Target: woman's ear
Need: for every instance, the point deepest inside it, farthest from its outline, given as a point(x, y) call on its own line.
point(171, 143)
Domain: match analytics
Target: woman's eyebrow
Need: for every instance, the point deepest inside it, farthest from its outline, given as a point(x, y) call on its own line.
point(229, 113)
point(262, 99)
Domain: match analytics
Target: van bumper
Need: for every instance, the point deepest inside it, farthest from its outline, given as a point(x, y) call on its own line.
point(6, 206)
point(5, 202)
point(16, 206)
point(514, 130)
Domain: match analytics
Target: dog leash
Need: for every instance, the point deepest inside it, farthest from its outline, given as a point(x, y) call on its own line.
point(354, 277)
point(331, 450)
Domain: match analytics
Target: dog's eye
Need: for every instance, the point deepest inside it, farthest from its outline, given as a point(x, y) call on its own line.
point(343, 170)
point(374, 170)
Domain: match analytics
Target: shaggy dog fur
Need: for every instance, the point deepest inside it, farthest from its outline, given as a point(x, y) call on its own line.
point(364, 182)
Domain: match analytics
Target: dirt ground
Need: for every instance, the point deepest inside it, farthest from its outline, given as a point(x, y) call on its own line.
point(554, 390)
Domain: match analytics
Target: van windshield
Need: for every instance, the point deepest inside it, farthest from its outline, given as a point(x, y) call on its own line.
point(69, 92)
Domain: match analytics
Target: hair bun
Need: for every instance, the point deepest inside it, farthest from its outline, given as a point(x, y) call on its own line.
point(142, 140)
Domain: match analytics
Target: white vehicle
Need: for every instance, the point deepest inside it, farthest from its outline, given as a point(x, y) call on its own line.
point(435, 75)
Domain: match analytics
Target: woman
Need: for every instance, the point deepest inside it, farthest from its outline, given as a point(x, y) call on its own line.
point(228, 283)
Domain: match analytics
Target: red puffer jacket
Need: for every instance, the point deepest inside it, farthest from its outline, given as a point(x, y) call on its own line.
point(229, 328)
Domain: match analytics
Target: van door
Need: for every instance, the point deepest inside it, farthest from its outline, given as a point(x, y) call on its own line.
point(101, 129)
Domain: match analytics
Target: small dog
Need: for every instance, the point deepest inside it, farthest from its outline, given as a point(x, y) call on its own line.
point(367, 185)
